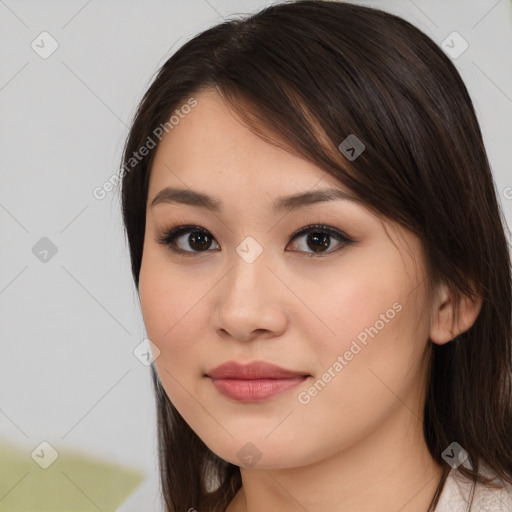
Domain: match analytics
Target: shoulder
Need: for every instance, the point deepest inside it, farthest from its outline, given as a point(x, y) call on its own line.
point(462, 495)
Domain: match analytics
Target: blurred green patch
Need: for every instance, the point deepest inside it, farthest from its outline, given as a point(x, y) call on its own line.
point(73, 483)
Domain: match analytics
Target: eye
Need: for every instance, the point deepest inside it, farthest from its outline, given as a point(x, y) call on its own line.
point(318, 238)
point(188, 239)
point(196, 239)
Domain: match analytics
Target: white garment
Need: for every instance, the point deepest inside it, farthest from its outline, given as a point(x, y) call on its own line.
point(457, 490)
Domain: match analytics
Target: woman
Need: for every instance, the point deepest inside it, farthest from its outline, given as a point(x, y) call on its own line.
point(322, 269)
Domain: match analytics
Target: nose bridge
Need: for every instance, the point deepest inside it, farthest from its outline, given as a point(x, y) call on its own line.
point(249, 273)
point(247, 301)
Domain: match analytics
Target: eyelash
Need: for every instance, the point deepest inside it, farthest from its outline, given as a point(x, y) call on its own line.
point(169, 236)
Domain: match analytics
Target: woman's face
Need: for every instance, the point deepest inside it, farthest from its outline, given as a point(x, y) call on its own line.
point(347, 321)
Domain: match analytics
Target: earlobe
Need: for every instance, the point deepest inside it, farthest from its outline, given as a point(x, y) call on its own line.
point(444, 326)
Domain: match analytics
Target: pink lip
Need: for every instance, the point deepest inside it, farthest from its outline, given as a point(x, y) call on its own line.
point(253, 382)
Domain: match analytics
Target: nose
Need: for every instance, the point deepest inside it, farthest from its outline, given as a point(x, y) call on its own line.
point(250, 302)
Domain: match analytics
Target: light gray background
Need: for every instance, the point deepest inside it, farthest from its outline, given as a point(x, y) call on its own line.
point(68, 326)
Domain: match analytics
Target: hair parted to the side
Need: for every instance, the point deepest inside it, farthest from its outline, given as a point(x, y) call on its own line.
point(306, 75)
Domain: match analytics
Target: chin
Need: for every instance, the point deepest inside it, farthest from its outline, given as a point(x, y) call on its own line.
point(260, 453)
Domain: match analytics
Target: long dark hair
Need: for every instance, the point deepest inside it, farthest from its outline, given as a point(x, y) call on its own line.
point(304, 76)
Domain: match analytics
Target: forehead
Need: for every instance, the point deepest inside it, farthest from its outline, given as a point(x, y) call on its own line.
point(211, 145)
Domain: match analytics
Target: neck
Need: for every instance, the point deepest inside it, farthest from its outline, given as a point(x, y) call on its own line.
point(389, 470)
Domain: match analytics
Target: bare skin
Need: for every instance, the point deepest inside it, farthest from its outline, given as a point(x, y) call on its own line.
point(356, 443)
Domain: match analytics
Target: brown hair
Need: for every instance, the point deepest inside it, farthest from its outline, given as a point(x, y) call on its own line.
point(297, 69)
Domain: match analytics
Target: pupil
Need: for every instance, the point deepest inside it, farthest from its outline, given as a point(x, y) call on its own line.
point(319, 240)
point(199, 241)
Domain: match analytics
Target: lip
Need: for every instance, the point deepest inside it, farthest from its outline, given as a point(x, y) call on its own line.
point(255, 381)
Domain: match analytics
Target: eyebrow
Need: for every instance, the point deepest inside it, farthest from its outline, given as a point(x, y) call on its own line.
point(173, 195)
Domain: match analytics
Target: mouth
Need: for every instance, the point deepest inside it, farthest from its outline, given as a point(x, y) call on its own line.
point(253, 382)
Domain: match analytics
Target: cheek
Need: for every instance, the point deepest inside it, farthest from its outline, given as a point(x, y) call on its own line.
point(172, 309)
point(167, 294)
point(362, 383)
point(170, 304)
point(368, 302)
point(378, 348)
point(376, 340)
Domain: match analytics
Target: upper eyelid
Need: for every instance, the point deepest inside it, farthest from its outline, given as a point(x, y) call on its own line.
point(311, 227)
point(181, 229)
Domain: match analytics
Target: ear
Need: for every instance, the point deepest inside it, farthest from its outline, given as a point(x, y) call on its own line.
point(443, 327)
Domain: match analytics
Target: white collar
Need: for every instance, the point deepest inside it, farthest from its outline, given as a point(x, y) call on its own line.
point(461, 495)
